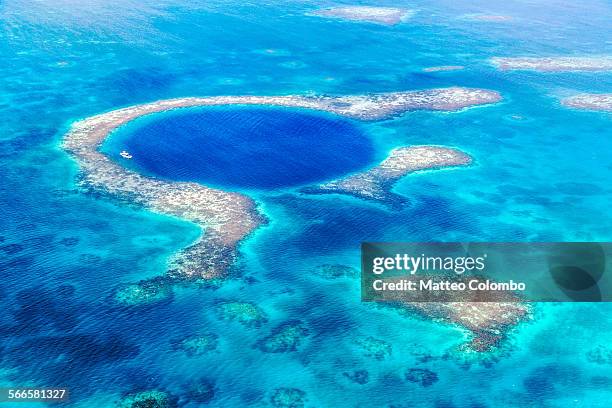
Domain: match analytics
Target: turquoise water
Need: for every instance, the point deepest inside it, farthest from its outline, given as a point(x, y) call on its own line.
point(541, 172)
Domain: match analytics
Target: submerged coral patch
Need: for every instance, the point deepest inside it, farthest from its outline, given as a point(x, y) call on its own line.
point(421, 376)
point(288, 398)
point(145, 292)
point(373, 347)
point(198, 345)
point(335, 271)
point(148, 399)
point(69, 241)
point(284, 338)
point(360, 377)
point(600, 354)
point(245, 313)
point(202, 391)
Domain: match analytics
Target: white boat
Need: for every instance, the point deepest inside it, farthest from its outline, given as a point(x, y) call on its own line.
point(125, 155)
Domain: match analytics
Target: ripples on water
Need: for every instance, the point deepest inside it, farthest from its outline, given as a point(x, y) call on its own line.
point(248, 147)
point(63, 252)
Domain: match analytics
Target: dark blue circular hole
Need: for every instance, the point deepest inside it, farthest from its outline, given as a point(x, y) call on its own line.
point(248, 147)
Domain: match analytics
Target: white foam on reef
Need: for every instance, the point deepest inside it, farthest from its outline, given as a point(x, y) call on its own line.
point(226, 217)
point(595, 102)
point(443, 68)
point(554, 64)
point(379, 15)
point(491, 18)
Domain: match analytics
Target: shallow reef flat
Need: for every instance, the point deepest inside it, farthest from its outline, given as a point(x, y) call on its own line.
point(375, 184)
point(554, 64)
point(487, 316)
point(595, 102)
point(227, 217)
point(488, 322)
point(379, 15)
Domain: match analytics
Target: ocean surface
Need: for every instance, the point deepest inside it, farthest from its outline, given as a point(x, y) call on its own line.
point(542, 173)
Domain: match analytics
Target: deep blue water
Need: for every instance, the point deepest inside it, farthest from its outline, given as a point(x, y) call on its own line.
point(249, 147)
point(63, 251)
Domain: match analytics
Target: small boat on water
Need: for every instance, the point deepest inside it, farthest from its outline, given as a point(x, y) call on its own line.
point(125, 154)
